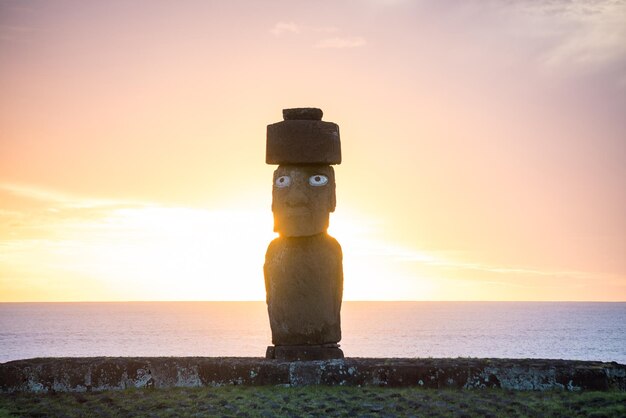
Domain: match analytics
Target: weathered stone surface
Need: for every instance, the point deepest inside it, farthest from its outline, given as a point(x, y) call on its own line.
point(106, 373)
point(303, 113)
point(303, 142)
point(304, 287)
point(304, 352)
point(301, 201)
point(303, 268)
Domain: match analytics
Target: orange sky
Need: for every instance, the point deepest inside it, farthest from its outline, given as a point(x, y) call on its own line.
point(484, 146)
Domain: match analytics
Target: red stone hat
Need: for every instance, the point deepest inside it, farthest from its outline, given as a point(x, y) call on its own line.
point(303, 138)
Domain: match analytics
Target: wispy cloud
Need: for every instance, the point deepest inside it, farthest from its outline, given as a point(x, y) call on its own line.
point(60, 199)
point(341, 42)
point(326, 29)
point(41, 212)
point(578, 35)
point(511, 271)
point(368, 246)
point(285, 27)
point(621, 82)
point(16, 33)
point(387, 2)
point(337, 42)
point(448, 263)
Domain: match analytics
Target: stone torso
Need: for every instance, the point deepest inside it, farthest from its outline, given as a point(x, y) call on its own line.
point(304, 285)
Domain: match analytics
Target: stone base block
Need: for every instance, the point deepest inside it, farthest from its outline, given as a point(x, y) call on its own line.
point(304, 352)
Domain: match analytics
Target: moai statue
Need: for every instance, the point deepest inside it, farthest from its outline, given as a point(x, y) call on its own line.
point(303, 266)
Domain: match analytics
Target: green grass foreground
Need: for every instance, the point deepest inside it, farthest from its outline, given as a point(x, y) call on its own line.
point(314, 401)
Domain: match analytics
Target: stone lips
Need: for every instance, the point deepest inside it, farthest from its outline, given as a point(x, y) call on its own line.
point(303, 142)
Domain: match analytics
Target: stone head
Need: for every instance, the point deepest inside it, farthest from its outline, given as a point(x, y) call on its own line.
point(302, 198)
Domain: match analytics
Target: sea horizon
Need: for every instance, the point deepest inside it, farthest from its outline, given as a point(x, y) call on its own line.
point(350, 301)
point(497, 329)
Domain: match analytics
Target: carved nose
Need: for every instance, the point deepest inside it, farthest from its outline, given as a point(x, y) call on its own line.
point(297, 197)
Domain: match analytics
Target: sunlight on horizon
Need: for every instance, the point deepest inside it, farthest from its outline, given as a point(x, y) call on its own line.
point(103, 250)
point(174, 253)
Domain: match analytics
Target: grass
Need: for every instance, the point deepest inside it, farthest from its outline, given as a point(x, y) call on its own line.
point(314, 401)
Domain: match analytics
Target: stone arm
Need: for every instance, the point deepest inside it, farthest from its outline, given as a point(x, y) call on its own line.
point(339, 283)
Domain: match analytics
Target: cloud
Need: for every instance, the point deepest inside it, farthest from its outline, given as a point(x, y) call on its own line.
point(387, 2)
point(621, 82)
point(16, 33)
point(285, 27)
point(341, 43)
point(326, 29)
point(579, 35)
point(442, 262)
point(337, 42)
point(61, 200)
point(560, 39)
point(35, 193)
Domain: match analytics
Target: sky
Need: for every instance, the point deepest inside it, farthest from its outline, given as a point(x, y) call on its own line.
point(483, 143)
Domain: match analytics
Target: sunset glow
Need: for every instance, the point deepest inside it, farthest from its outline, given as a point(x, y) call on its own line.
point(484, 151)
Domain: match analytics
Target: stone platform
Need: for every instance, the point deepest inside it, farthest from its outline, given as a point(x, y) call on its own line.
point(105, 373)
point(304, 352)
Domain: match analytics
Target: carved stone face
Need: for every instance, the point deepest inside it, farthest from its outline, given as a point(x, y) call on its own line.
point(302, 199)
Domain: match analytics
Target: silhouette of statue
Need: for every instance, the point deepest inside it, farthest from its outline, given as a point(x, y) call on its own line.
point(303, 266)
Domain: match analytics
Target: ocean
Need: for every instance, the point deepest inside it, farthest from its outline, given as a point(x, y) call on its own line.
point(555, 330)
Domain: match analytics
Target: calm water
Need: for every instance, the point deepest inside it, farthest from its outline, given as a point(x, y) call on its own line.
point(585, 331)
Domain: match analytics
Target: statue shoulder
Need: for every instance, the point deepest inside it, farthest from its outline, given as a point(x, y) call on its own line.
point(332, 242)
point(277, 244)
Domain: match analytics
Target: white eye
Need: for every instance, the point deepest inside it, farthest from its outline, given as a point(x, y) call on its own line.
point(283, 181)
point(318, 180)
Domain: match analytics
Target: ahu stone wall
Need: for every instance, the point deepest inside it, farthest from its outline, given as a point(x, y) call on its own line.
point(106, 373)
